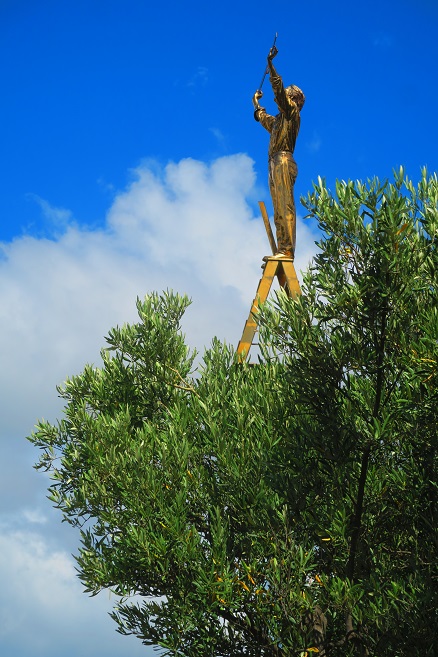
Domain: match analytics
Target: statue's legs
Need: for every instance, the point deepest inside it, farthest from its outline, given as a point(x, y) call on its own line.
point(282, 175)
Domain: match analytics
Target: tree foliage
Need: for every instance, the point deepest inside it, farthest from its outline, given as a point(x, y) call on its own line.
point(281, 509)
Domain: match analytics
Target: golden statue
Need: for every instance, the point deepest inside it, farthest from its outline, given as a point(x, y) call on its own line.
point(283, 129)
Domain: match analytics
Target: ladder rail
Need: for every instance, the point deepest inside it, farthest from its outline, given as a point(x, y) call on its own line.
point(285, 272)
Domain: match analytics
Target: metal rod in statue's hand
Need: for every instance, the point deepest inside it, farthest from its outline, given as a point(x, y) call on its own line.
point(267, 68)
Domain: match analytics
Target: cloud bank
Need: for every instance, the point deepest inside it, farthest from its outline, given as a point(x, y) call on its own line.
point(43, 611)
point(189, 226)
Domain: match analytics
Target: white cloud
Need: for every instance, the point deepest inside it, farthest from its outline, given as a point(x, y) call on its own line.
point(34, 516)
point(43, 610)
point(189, 226)
point(219, 135)
point(200, 78)
point(59, 217)
point(314, 144)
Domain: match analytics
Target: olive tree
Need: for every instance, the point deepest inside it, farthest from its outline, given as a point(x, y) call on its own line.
point(281, 509)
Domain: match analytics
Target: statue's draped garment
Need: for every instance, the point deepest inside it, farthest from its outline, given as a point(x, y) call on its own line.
point(283, 129)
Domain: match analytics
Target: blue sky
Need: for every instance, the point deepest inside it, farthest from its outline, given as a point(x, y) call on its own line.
point(130, 162)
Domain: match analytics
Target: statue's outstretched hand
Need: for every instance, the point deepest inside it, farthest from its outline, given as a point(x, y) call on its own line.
point(272, 53)
point(255, 99)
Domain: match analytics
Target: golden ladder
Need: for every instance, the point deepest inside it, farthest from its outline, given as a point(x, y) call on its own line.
point(285, 272)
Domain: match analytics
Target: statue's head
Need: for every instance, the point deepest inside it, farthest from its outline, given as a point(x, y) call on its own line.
point(296, 95)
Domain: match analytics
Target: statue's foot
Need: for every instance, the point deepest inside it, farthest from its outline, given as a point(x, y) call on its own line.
point(280, 255)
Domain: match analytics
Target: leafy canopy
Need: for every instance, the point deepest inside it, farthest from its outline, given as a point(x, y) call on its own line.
point(282, 509)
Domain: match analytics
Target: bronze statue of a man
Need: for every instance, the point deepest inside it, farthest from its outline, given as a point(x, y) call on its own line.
point(283, 129)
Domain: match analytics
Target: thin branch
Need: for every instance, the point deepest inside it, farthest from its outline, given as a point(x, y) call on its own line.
point(186, 385)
